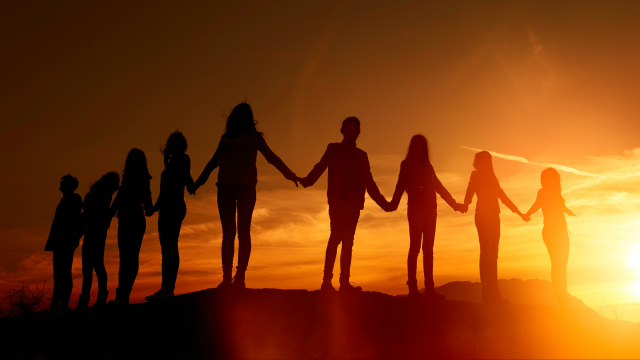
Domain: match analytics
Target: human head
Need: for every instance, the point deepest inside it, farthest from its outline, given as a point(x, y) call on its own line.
point(550, 180)
point(418, 150)
point(241, 122)
point(135, 164)
point(350, 128)
point(176, 144)
point(68, 184)
point(107, 184)
point(483, 162)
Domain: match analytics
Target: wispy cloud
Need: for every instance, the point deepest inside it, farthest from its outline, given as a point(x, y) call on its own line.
point(525, 161)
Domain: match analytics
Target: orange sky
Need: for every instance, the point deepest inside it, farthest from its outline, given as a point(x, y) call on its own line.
point(82, 83)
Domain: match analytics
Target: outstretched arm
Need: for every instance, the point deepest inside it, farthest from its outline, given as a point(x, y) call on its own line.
point(116, 203)
point(534, 208)
point(401, 186)
point(211, 165)
point(274, 160)
point(569, 212)
point(372, 187)
point(186, 173)
point(505, 200)
point(471, 190)
point(444, 194)
point(317, 170)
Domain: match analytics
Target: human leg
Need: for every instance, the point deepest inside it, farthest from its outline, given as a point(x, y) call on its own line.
point(227, 210)
point(557, 242)
point(245, 204)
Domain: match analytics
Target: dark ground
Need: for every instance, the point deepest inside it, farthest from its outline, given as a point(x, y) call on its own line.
point(270, 323)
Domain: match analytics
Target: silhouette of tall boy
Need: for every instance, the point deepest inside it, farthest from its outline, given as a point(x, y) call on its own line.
point(349, 178)
point(64, 238)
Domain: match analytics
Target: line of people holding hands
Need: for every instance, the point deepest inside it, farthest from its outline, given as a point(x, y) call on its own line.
point(349, 178)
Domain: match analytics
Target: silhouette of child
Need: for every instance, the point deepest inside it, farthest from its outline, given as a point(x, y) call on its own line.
point(64, 238)
point(418, 178)
point(349, 178)
point(485, 185)
point(131, 204)
point(554, 232)
point(172, 209)
point(237, 178)
point(97, 220)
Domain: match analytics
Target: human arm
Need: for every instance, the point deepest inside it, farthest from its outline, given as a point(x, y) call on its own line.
point(211, 165)
point(372, 187)
point(401, 186)
point(471, 191)
point(534, 208)
point(445, 195)
point(505, 200)
point(144, 187)
point(274, 160)
point(318, 169)
point(116, 203)
point(569, 212)
point(186, 175)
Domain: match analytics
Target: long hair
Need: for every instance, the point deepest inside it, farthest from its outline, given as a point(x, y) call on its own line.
point(135, 165)
point(550, 180)
point(483, 163)
point(179, 146)
point(238, 125)
point(418, 151)
point(106, 185)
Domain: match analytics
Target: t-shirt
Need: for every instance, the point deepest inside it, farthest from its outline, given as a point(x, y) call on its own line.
point(66, 228)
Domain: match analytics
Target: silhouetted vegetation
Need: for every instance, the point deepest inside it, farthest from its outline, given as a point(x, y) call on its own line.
point(24, 299)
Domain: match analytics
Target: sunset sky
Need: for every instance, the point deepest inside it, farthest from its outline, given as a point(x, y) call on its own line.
point(537, 83)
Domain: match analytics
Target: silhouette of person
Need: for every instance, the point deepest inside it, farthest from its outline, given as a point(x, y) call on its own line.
point(485, 185)
point(64, 238)
point(349, 178)
point(96, 219)
point(554, 232)
point(172, 209)
point(237, 178)
point(131, 204)
point(418, 178)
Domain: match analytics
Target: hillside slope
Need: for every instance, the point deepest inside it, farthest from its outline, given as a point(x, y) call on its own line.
point(270, 323)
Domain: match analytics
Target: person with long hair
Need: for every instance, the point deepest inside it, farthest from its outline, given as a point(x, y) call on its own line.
point(96, 219)
point(131, 204)
point(237, 178)
point(172, 209)
point(418, 178)
point(554, 232)
point(485, 185)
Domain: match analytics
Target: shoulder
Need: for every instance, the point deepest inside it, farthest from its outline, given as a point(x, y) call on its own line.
point(474, 174)
point(76, 198)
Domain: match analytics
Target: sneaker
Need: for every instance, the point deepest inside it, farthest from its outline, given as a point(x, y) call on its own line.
point(225, 284)
point(327, 286)
point(238, 283)
point(348, 288)
point(160, 294)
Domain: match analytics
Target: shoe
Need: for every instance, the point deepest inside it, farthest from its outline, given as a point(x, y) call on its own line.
point(348, 288)
point(413, 289)
point(327, 286)
point(225, 284)
point(122, 297)
point(238, 282)
point(160, 294)
point(83, 302)
point(101, 300)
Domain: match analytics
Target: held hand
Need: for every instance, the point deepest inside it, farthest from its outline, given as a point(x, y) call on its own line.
point(295, 180)
point(149, 213)
point(525, 217)
point(572, 214)
point(464, 208)
point(304, 182)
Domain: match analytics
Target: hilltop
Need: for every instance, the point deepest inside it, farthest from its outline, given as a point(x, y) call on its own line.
point(272, 323)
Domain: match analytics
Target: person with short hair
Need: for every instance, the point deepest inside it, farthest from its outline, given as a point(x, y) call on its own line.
point(349, 178)
point(64, 238)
